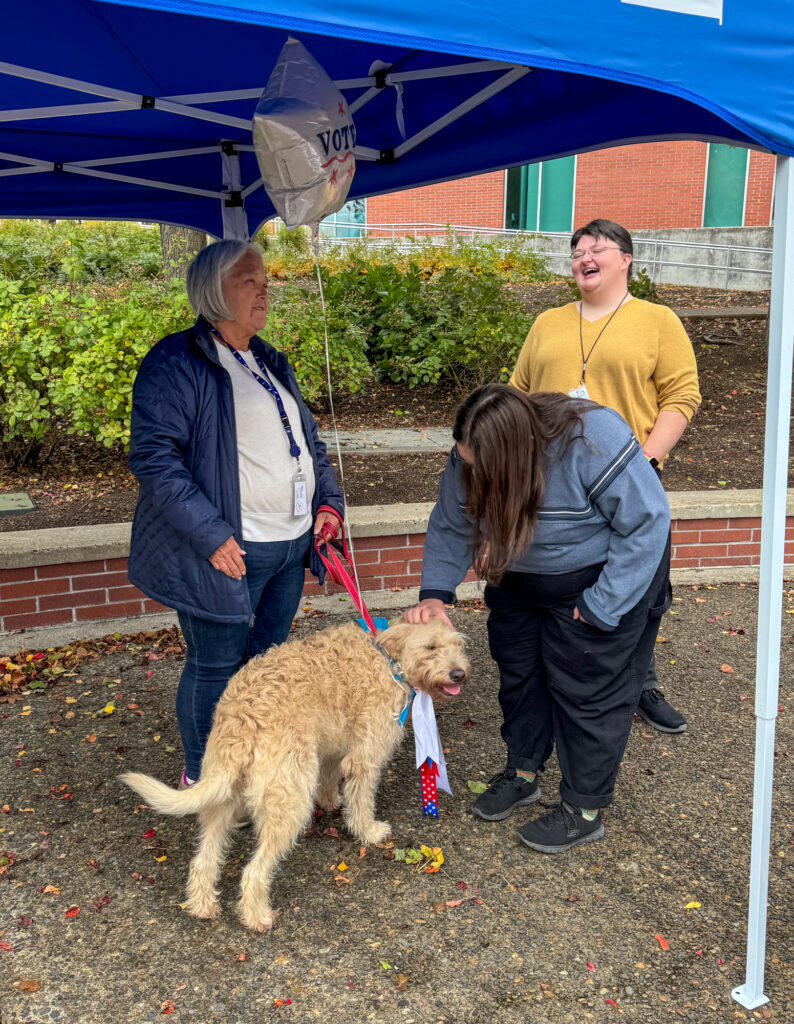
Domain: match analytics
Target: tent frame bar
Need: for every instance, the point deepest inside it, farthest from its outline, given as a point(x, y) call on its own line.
point(773, 537)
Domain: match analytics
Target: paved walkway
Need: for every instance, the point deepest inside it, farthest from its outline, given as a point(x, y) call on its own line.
point(379, 442)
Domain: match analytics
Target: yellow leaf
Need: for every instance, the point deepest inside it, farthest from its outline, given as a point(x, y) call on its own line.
point(27, 810)
point(160, 859)
point(156, 738)
point(92, 738)
point(71, 700)
point(23, 714)
point(109, 709)
point(341, 866)
point(693, 905)
point(50, 888)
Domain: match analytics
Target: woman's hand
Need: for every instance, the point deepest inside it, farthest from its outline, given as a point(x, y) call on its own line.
point(578, 616)
point(430, 608)
point(228, 559)
point(322, 519)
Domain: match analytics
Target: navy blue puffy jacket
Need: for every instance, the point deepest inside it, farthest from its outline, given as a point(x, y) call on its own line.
point(183, 451)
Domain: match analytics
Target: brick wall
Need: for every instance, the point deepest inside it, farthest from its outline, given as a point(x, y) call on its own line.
point(651, 185)
point(51, 595)
point(77, 592)
point(647, 185)
point(760, 181)
point(477, 201)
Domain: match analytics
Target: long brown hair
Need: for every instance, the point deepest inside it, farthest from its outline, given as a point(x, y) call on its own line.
point(509, 433)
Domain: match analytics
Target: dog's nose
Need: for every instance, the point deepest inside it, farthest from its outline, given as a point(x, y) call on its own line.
point(457, 675)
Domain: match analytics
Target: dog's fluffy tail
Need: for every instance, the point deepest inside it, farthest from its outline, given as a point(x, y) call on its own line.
point(204, 793)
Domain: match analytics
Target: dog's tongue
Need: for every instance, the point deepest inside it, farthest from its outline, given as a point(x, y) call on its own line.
point(451, 688)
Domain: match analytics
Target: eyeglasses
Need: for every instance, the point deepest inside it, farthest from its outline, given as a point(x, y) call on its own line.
point(579, 254)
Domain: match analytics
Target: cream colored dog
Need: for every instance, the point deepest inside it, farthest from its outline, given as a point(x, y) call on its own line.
point(290, 726)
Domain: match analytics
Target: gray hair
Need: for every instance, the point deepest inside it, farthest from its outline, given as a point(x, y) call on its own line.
point(206, 273)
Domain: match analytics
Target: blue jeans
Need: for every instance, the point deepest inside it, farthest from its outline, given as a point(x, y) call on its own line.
point(215, 650)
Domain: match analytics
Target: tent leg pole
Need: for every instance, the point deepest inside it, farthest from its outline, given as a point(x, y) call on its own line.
point(773, 533)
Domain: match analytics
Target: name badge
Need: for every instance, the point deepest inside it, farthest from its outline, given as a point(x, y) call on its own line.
point(578, 392)
point(300, 504)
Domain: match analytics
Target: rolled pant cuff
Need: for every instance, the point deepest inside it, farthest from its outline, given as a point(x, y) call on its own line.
point(522, 764)
point(586, 801)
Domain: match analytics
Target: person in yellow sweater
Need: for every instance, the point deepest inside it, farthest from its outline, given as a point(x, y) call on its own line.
point(633, 356)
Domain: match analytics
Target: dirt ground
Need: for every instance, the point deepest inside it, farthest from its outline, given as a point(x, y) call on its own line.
point(647, 926)
point(722, 449)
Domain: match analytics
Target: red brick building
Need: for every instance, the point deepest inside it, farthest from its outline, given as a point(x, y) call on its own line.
point(649, 185)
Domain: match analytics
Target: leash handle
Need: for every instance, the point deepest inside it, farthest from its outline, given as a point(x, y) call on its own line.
point(333, 564)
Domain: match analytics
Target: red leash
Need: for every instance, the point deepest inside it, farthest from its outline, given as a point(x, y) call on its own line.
point(333, 563)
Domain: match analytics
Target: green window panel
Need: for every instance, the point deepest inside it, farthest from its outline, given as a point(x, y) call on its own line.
point(725, 184)
point(521, 208)
point(540, 196)
point(556, 194)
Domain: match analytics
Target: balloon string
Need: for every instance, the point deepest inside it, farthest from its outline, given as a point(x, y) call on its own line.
point(348, 531)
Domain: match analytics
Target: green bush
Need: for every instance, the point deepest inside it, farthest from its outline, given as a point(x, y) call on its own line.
point(72, 252)
point(459, 323)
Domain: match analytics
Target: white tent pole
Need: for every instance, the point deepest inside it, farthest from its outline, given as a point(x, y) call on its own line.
point(461, 109)
point(773, 536)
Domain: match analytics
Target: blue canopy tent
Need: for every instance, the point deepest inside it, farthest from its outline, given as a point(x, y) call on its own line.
point(141, 110)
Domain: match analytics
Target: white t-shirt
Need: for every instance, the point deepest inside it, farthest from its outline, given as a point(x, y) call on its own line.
point(267, 470)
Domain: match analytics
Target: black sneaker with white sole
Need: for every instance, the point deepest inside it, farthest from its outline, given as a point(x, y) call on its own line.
point(559, 829)
point(505, 792)
point(659, 714)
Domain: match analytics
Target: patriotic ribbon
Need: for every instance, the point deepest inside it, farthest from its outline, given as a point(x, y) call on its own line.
point(429, 755)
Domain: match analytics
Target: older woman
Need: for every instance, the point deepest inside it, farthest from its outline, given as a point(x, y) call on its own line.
point(234, 482)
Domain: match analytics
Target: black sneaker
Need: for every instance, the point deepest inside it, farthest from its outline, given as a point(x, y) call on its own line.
point(658, 713)
point(505, 792)
point(560, 829)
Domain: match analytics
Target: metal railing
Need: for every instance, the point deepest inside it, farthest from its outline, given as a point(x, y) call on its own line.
point(651, 254)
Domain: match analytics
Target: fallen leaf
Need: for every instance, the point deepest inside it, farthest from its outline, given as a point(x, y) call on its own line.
point(341, 866)
point(591, 966)
point(401, 983)
point(476, 787)
point(726, 668)
point(6, 947)
point(161, 859)
point(362, 852)
point(149, 834)
point(662, 942)
point(242, 956)
point(453, 903)
point(72, 912)
point(331, 832)
point(167, 1006)
point(693, 905)
point(386, 965)
point(102, 902)
point(50, 888)
point(28, 985)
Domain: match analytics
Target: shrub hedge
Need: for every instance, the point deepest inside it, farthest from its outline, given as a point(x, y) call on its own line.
point(74, 328)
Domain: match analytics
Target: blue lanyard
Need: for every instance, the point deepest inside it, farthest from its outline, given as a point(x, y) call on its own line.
point(269, 386)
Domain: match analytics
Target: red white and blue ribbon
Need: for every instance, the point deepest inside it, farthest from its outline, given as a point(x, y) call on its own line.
point(429, 755)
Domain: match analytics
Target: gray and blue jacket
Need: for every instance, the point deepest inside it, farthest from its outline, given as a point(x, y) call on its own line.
point(602, 503)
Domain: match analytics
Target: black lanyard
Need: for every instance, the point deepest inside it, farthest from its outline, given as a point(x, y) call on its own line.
point(269, 386)
point(581, 342)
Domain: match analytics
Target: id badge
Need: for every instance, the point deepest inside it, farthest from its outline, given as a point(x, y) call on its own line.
point(579, 392)
point(300, 504)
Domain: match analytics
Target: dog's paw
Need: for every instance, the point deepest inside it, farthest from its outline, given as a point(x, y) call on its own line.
point(375, 833)
point(258, 922)
point(203, 909)
point(329, 802)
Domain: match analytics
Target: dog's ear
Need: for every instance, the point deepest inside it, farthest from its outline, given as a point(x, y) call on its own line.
point(393, 638)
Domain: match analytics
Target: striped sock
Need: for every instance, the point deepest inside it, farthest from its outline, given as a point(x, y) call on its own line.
point(588, 815)
point(526, 776)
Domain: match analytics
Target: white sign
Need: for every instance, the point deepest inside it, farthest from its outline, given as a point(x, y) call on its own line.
point(699, 8)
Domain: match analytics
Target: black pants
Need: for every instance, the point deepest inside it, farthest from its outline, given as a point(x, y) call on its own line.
point(564, 681)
